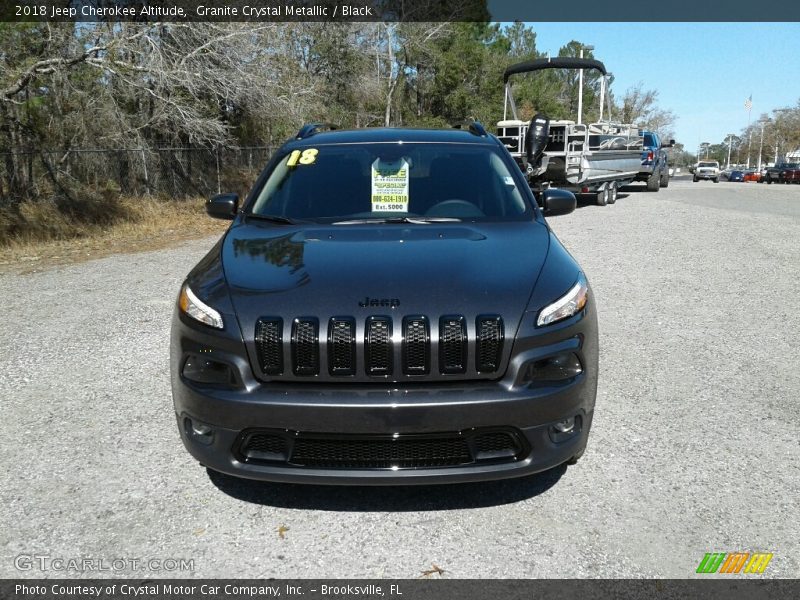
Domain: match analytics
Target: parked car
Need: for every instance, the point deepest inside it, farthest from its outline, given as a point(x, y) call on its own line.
point(388, 306)
point(736, 175)
point(751, 175)
point(707, 169)
point(777, 173)
point(792, 175)
point(655, 167)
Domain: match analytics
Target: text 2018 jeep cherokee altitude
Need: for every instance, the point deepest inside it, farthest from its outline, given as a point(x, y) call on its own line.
point(388, 306)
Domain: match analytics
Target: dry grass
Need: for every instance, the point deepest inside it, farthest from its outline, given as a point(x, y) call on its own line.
point(42, 234)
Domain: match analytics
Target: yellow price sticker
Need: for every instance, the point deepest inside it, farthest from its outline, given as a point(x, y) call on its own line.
point(306, 157)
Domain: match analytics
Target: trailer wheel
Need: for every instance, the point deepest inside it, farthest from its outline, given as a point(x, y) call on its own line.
point(602, 196)
point(612, 192)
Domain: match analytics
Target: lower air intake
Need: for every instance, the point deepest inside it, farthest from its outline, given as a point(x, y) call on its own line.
point(264, 447)
point(285, 448)
point(380, 453)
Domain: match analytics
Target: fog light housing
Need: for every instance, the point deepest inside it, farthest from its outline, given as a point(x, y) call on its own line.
point(565, 429)
point(565, 426)
point(198, 431)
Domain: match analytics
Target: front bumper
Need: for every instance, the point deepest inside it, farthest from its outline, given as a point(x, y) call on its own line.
point(358, 411)
point(707, 175)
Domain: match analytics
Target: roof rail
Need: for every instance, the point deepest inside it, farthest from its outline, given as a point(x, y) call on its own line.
point(310, 129)
point(473, 125)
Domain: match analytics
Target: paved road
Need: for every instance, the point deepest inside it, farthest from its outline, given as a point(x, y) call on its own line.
point(695, 446)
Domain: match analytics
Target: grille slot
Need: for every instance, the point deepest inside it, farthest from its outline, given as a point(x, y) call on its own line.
point(416, 346)
point(489, 341)
point(269, 345)
point(498, 444)
point(380, 453)
point(378, 346)
point(265, 446)
point(305, 346)
point(342, 346)
point(452, 344)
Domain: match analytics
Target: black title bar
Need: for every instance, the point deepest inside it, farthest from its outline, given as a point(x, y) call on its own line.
point(393, 10)
point(733, 588)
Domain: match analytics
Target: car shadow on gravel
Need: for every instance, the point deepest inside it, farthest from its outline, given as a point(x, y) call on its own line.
point(387, 498)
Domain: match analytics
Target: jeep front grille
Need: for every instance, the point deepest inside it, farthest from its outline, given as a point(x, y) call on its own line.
point(269, 345)
point(416, 346)
point(452, 344)
point(378, 346)
point(416, 349)
point(489, 334)
point(342, 346)
point(305, 346)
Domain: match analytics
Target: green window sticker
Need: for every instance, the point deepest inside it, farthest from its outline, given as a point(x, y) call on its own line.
point(390, 186)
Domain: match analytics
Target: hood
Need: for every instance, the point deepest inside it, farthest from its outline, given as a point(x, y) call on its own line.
point(392, 270)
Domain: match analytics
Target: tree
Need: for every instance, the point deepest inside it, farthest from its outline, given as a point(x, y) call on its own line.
point(640, 106)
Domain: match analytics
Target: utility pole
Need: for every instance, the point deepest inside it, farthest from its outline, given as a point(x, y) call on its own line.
point(580, 85)
point(761, 145)
point(730, 141)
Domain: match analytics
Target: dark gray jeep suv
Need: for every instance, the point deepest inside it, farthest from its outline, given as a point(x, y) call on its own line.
point(388, 306)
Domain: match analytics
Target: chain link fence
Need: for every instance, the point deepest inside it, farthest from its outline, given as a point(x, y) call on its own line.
point(175, 172)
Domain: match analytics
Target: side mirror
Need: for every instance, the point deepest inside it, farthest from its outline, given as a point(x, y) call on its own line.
point(223, 206)
point(557, 202)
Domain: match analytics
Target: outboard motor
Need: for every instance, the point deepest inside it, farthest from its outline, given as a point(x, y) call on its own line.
point(536, 139)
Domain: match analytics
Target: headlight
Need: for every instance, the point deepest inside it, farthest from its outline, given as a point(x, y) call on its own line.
point(192, 305)
point(569, 304)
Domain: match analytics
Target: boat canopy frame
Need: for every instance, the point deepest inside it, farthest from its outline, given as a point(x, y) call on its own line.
point(562, 62)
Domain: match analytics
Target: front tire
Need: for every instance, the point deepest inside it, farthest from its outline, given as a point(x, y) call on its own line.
point(574, 460)
point(716, 180)
point(694, 179)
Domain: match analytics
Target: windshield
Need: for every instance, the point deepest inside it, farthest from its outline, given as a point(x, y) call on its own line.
point(708, 164)
point(391, 181)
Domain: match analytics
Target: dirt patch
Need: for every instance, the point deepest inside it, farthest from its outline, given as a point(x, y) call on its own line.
point(152, 224)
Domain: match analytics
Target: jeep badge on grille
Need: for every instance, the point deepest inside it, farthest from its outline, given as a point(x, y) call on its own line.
point(390, 302)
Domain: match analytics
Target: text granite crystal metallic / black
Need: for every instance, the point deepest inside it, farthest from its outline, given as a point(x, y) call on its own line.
point(388, 306)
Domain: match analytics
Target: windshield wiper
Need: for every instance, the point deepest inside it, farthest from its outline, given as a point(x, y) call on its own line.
point(272, 218)
point(413, 220)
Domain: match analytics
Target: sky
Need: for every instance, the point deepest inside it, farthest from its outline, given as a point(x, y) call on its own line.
point(703, 72)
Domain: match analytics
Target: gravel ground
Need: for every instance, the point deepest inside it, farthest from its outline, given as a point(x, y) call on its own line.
point(694, 447)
